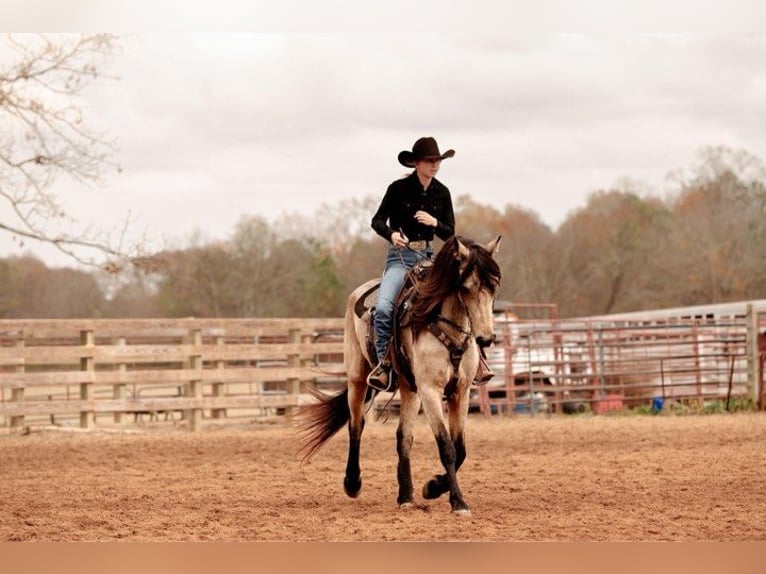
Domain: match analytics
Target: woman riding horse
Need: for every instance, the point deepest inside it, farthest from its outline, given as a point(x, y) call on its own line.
point(440, 344)
point(413, 210)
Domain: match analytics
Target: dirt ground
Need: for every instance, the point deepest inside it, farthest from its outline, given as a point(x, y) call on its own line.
point(585, 478)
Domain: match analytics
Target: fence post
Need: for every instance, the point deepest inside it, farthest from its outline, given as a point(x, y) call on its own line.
point(530, 377)
point(293, 360)
point(17, 393)
point(697, 364)
point(218, 387)
point(753, 358)
point(601, 379)
point(195, 384)
point(87, 364)
point(118, 392)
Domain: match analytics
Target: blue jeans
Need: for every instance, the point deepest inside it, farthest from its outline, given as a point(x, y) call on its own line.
point(398, 263)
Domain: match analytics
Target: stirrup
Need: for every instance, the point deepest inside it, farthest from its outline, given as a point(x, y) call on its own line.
point(380, 378)
point(483, 374)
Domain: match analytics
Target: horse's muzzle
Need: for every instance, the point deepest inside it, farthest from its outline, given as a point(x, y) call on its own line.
point(485, 342)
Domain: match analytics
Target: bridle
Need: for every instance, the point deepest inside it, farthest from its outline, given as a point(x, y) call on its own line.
point(456, 349)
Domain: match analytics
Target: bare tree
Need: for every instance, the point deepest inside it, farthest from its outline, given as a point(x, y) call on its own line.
point(43, 135)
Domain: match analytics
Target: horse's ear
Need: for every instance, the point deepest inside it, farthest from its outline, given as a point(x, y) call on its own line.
point(494, 245)
point(463, 252)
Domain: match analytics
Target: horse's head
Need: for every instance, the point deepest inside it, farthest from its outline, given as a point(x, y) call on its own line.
point(466, 270)
point(478, 282)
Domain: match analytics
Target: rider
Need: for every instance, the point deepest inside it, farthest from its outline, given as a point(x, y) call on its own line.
point(413, 210)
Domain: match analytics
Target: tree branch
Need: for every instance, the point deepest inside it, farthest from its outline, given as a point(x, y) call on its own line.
point(45, 135)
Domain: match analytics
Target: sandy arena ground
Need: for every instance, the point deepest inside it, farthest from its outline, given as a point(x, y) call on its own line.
point(588, 478)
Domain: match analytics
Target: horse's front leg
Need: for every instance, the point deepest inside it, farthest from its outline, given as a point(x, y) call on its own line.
point(410, 404)
point(451, 453)
point(352, 482)
point(458, 413)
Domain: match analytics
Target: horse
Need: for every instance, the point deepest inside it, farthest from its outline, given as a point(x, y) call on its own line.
point(438, 347)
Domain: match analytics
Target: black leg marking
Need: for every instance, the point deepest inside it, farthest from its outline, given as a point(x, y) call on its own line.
point(403, 469)
point(352, 483)
point(439, 484)
point(459, 451)
point(448, 454)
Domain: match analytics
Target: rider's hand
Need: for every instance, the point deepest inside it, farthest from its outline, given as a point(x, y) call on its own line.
point(399, 240)
point(426, 218)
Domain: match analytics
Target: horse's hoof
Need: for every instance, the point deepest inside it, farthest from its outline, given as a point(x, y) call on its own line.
point(352, 489)
point(406, 505)
point(462, 512)
point(432, 490)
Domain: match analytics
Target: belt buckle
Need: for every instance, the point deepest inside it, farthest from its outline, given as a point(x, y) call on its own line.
point(418, 245)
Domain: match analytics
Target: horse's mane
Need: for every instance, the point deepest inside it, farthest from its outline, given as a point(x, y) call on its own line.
point(445, 278)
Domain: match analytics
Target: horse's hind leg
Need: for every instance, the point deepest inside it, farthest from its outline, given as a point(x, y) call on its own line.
point(410, 404)
point(352, 482)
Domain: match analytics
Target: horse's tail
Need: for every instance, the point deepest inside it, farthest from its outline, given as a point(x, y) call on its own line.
point(320, 421)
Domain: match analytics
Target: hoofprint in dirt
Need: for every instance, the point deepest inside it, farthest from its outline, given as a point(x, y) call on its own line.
point(586, 478)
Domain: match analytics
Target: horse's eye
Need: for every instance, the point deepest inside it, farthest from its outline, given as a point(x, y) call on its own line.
point(470, 286)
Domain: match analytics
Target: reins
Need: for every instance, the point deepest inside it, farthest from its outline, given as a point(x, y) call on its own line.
point(415, 251)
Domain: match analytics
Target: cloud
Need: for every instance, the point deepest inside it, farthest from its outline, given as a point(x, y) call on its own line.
point(215, 126)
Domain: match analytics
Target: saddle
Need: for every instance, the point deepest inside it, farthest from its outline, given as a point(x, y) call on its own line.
point(365, 310)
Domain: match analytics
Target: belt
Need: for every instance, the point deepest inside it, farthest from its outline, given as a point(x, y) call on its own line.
point(419, 245)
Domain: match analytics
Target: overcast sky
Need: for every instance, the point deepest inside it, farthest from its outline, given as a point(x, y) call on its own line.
point(214, 127)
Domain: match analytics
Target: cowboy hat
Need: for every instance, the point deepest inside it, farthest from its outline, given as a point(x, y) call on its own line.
point(424, 148)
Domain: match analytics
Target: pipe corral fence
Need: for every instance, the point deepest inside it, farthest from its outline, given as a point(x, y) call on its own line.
point(113, 372)
point(690, 354)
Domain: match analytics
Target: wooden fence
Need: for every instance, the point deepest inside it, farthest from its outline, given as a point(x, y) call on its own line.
point(88, 373)
point(84, 372)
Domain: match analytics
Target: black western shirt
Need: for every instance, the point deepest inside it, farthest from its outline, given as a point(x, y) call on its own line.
point(406, 196)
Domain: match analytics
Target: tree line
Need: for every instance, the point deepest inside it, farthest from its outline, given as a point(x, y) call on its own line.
point(624, 250)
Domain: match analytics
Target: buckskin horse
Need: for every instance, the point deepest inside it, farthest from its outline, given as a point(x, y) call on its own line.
point(448, 320)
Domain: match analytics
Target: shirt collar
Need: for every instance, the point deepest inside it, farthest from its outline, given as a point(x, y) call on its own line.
point(415, 182)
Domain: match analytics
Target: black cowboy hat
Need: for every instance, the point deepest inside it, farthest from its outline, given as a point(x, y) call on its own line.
point(424, 148)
